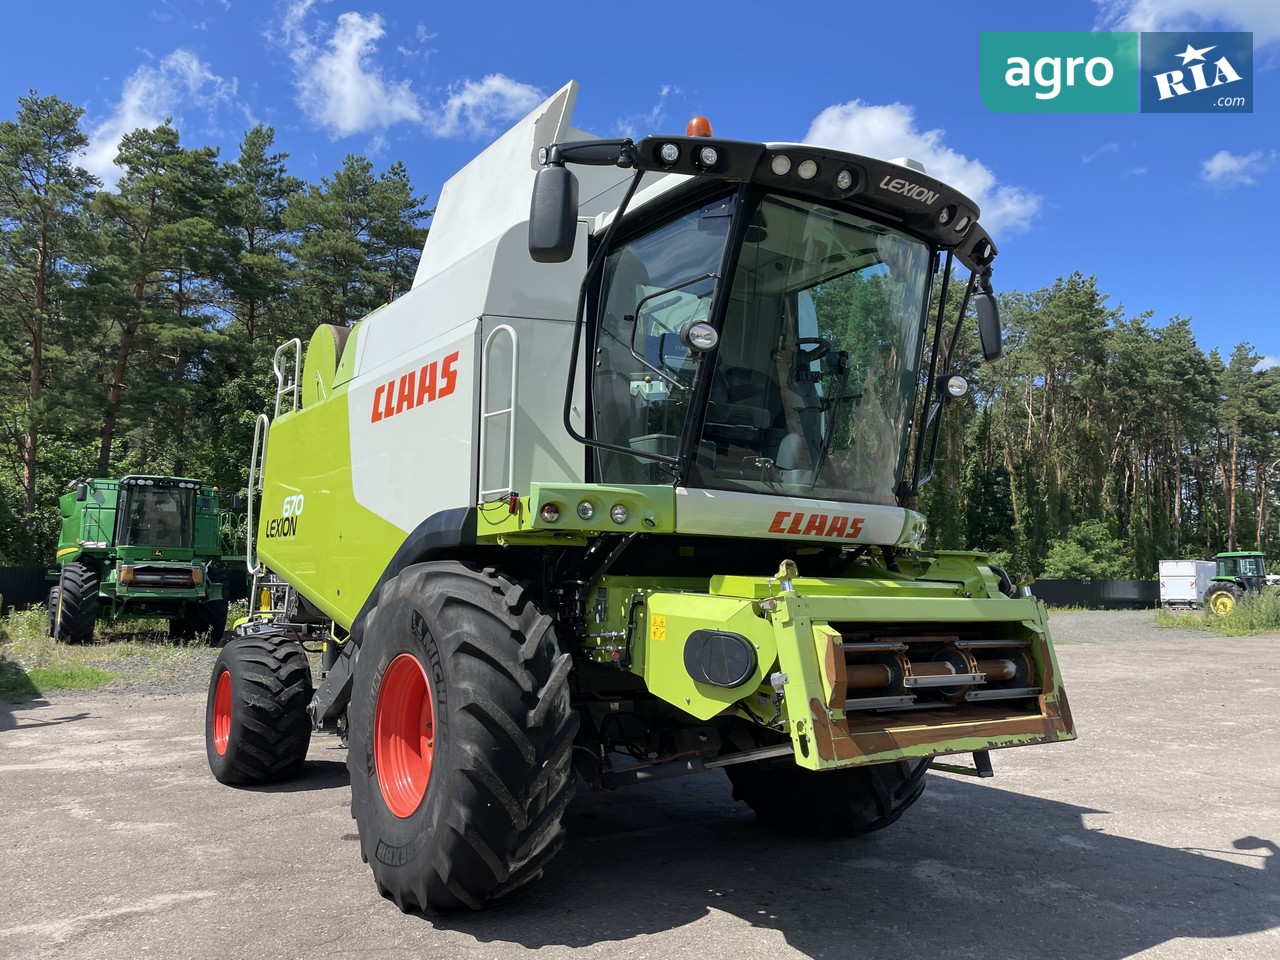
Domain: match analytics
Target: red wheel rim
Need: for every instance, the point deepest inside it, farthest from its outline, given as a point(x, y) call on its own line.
point(403, 735)
point(222, 713)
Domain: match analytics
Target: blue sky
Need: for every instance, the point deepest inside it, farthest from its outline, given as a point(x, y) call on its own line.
point(1172, 212)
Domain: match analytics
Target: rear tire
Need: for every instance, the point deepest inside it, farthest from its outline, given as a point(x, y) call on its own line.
point(1222, 600)
point(77, 604)
point(828, 803)
point(256, 725)
point(461, 733)
point(202, 622)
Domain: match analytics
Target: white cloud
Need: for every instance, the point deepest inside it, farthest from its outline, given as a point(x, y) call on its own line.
point(643, 124)
point(340, 87)
point(1228, 169)
point(888, 132)
point(1266, 363)
point(1262, 17)
point(148, 97)
point(1104, 149)
point(476, 108)
point(424, 36)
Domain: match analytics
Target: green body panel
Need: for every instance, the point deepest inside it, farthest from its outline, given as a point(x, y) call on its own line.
point(335, 550)
point(650, 509)
point(642, 626)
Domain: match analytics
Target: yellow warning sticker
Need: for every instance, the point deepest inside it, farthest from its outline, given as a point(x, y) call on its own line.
point(658, 628)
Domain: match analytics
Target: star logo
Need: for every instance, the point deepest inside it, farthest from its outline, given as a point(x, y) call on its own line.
point(1191, 53)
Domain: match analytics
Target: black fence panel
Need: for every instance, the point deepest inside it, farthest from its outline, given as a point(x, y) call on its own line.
point(1099, 594)
point(23, 586)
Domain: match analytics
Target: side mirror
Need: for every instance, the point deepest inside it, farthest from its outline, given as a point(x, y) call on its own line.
point(988, 324)
point(82, 492)
point(237, 502)
point(553, 215)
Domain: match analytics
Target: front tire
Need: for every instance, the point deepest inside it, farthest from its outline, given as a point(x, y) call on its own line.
point(256, 727)
point(828, 803)
point(77, 604)
point(461, 733)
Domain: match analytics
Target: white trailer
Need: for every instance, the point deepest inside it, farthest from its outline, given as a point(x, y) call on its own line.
point(1183, 582)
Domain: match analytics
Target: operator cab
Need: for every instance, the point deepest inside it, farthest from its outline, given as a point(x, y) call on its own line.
point(808, 273)
point(156, 512)
point(817, 358)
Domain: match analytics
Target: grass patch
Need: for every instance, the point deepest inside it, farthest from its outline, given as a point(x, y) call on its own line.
point(45, 679)
point(33, 663)
point(1255, 613)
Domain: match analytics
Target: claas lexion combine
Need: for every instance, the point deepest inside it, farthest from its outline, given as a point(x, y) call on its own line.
point(618, 493)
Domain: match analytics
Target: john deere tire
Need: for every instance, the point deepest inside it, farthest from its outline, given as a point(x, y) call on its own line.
point(53, 611)
point(202, 622)
point(830, 803)
point(256, 727)
point(1222, 600)
point(77, 604)
point(461, 733)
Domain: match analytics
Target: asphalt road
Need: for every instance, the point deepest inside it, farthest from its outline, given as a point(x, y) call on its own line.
point(1154, 835)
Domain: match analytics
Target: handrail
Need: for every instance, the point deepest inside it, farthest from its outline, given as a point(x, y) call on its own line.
point(289, 389)
point(510, 411)
point(261, 427)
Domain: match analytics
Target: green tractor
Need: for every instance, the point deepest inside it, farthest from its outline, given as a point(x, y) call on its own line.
point(141, 546)
point(623, 490)
point(1240, 572)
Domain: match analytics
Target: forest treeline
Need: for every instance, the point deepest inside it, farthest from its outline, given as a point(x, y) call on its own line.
point(137, 326)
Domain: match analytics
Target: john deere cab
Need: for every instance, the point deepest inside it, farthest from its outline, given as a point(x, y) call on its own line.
point(139, 546)
point(1239, 573)
point(623, 490)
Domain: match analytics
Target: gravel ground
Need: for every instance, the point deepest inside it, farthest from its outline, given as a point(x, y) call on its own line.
point(1155, 836)
point(1091, 626)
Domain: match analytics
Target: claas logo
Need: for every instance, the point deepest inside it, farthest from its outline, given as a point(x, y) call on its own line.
point(817, 525)
point(435, 381)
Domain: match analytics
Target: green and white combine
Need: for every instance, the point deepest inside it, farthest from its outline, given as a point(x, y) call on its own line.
point(618, 492)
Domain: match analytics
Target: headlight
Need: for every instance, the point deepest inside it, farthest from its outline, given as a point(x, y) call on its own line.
point(619, 513)
point(699, 335)
point(956, 386)
point(125, 574)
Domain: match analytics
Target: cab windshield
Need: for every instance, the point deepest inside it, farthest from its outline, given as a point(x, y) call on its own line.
point(155, 516)
point(814, 379)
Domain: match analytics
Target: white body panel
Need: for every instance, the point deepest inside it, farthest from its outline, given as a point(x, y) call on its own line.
point(544, 451)
point(726, 513)
point(420, 454)
point(488, 196)
point(1183, 583)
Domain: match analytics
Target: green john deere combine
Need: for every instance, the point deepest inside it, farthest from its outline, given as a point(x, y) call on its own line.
point(621, 490)
point(138, 547)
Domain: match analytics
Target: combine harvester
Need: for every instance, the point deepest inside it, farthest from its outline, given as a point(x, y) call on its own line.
point(620, 486)
point(141, 547)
